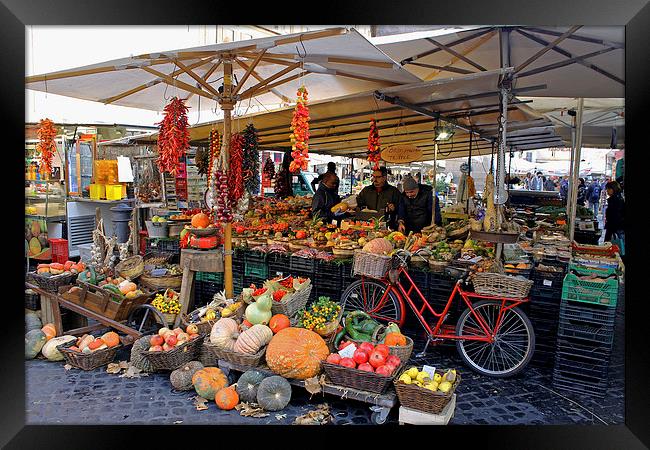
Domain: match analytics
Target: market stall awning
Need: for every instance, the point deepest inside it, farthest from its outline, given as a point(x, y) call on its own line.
point(267, 72)
point(339, 126)
point(571, 61)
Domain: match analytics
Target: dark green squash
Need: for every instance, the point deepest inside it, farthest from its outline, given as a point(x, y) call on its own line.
point(137, 359)
point(181, 378)
point(274, 393)
point(247, 385)
point(34, 342)
point(32, 322)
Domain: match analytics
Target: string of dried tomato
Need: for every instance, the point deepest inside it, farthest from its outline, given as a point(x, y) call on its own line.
point(215, 152)
point(46, 145)
point(251, 163)
point(374, 149)
point(174, 136)
point(235, 176)
point(300, 133)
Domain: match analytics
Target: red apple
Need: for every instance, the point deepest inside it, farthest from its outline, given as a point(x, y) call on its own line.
point(334, 358)
point(177, 330)
point(377, 359)
point(193, 336)
point(383, 348)
point(366, 347)
point(163, 331)
point(156, 340)
point(391, 367)
point(348, 362)
point(171, 340)
point(393, 360)
point(366, 367)
point(167, 347)
point(384, 370)
point(156, 348)
point(360, 356)
point(182, 337)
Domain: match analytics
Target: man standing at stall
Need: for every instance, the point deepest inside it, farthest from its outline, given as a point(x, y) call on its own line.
point(380, 196)
point(416, 206)
point(325, 197)
point(331, 168)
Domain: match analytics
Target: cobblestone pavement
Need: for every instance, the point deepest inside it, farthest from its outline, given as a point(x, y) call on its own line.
point(59, 396)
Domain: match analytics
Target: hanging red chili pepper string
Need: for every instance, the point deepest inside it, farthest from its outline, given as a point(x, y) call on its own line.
point(300, 133)
point(374, 149)
point(235, 177)
point(174, 136)
point(215, 152)
point(224, 212)
point(46, 145)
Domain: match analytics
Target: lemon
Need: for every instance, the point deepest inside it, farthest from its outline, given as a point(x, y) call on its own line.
point(437, 377)
point(405, 378)
point(412, 372)
point(422, 376)
point(431, 386)
point(445, 386)
point(418, 383)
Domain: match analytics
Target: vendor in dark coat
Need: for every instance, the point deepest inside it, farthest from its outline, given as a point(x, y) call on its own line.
point(416, 206)
point(380, 196)
point(326, 196)
point(615, 212)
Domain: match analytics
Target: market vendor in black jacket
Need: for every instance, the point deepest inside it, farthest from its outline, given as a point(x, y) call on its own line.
point(326, 196)
point(416, 206)
point(380, 196)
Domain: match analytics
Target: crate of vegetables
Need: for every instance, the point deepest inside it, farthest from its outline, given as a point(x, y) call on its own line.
point(367, 368)
point(170, 349)
point(89, 352)
point(289, 294)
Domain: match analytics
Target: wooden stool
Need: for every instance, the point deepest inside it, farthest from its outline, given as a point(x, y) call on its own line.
point(195, 261)
point(415, 417)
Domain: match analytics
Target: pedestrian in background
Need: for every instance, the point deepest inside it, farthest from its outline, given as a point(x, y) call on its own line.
point(582, 192)
point(593, 196)
point(615, 216)
point(549, 185)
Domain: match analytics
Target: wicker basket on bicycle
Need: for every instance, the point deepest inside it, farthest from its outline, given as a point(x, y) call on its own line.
point(370, 265)
point(421, 399)
point(499, 285)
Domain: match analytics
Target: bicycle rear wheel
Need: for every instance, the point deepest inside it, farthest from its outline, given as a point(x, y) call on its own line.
point(375, 298)
point(513, 345)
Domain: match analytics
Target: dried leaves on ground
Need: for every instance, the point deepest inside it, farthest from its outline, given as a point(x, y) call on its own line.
point(200, 403)
point(319, 416)
point(251, 410)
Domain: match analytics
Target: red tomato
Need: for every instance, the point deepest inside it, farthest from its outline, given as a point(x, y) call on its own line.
point(344, 344)
point(366, 367)
point(360, 356)
point(366, 347)
point(377, 359)
point(383, 348)
point(393, 360)
point(384, 370)
point(348, 362)
point(334, 358)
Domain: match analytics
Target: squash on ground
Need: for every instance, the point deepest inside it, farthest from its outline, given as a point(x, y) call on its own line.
point(247, 385)
point(208, 381)
point(49, 330)
point(253, 339)
point(34, 342)
point(50, 351)
point(227, 398)
point(137, 358)
point(181, 378)
point(274, 393)
point(32, 322)
point(296, 353)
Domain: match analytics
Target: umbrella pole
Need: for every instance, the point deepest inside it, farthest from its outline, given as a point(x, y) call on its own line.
point(435, 181)
point(226, 104)
point(576, 170)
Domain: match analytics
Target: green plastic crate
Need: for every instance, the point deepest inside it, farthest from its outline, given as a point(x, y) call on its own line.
point(577, 290)
point(258, 269)
point(211, 277)
point(585, 270)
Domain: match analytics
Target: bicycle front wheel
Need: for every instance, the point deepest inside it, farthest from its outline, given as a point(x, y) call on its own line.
point(512, 347)
point(375, 298)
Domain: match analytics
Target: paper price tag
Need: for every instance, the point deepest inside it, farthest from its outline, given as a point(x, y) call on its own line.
point(430, 370)
point(548, 283)
point(348, 351)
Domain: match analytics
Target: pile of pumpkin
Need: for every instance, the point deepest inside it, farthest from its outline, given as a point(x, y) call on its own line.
point(58, 268)
point(167, 339)
point(272, 393)
point(246, 338)
point(87, 344)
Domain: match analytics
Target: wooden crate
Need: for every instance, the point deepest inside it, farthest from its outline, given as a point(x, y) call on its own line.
point(102, 302)
point(414, 417)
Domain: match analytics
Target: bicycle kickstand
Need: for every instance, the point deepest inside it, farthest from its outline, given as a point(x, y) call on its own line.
point(426, 346)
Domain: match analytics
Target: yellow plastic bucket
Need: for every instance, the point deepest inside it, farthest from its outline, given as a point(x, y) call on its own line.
point(114, 192)
point(97, 191)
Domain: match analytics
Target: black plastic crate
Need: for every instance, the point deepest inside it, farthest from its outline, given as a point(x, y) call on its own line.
point(257, 281)
point(204, 292)
point(302, 266)
point(327, 291)
point(579, 347)
point(566, 382)
point(32, 300)
point(588, 333)
point(587, 312)
point(238, 264)
point(255, 265)
point(601, 327)
point(538, 291)
point(278, 264)
point(328, 273)
point(585, 366)
point(419, 277)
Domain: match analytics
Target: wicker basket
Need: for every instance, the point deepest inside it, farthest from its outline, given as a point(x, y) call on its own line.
point(421, 399)
point(292, 303)
point(343, 252)
point(403, 351)
point(499, 285)
point(131, 268)
point(370, 265)
point(87, 361)
point(358, 379)
point(157, 258)
point(51, 283)
point(161, 283)
point(243, 359)
point(204, 327)
point(175, 358)
point(254, 242)
point(169, 318)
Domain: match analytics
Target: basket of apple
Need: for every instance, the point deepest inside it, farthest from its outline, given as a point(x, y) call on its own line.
point(368, 367)
point(170, 349)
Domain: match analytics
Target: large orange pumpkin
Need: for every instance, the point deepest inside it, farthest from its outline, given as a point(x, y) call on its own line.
point(49, 330)
point(227, 398)
point(395, 339)
point(208, 381)
point(200, 220)
point(296, 353)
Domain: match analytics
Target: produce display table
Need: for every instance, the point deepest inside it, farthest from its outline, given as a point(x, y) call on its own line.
point(57, 301)
point(210, 261)
point(381, 403)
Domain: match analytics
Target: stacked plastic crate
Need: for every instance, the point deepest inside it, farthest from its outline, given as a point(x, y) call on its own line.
point(543, 310)
point(305, 268)
point(586, 329)
point(255, 268)
point(206, 284)
point(328, 280)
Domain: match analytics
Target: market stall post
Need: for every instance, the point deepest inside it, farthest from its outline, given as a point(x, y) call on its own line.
point(226, 102)
point(576, 170)
point(499, 192)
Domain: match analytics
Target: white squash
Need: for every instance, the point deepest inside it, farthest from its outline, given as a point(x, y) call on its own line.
point(50, 351)
point(253, 339)
point(224, 333)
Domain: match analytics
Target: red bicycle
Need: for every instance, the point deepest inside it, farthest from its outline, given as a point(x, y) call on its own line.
point(493, 336)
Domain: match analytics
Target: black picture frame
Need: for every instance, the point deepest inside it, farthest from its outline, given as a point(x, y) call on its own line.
point(633, 14)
